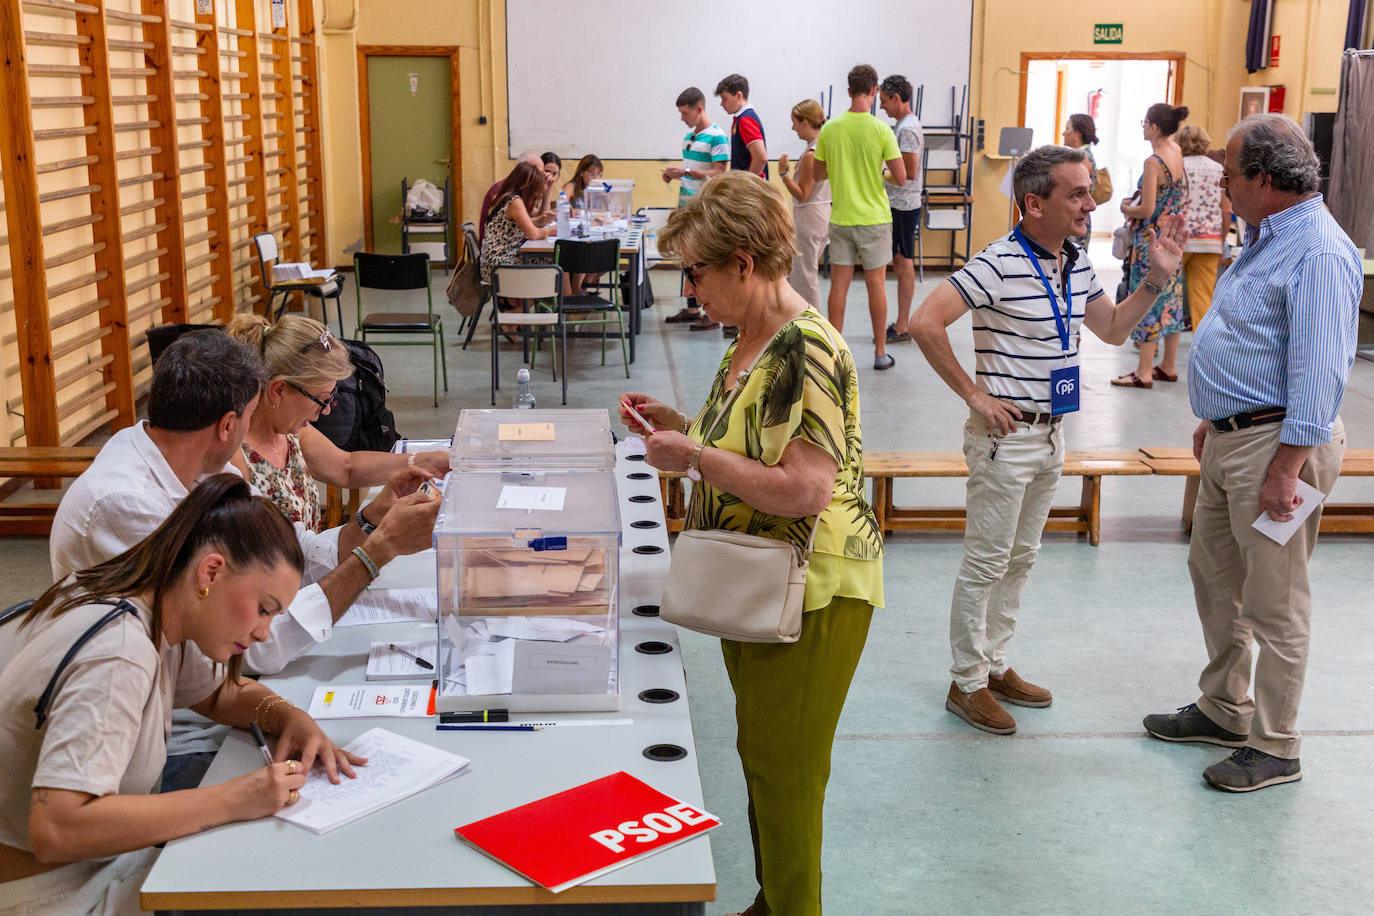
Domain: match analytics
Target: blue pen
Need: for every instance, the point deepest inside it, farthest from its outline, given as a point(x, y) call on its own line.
point(487, 728)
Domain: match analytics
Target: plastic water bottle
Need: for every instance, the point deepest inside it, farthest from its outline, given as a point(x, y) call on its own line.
point(564, 211)
point(651, 242)
point(524, 400)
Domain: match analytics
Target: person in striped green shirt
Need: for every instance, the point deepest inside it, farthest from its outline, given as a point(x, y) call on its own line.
point(705, 152)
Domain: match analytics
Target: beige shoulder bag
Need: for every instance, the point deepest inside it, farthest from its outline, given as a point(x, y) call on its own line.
point(737, 586)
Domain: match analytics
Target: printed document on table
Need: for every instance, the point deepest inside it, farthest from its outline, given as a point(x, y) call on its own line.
point(397, 767)
point(1281, 532)
point(392, 605)
point(386, 664)
point(356, 701)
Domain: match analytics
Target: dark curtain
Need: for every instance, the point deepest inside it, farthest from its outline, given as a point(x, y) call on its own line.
point(1354, 24)
point(1352, 150)
point(1257, 37)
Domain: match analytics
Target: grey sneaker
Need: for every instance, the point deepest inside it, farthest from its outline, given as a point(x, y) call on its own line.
point(1191, 724)
point(1249, 769)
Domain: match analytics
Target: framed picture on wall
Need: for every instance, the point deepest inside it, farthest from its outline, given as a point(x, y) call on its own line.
point(1254, 100)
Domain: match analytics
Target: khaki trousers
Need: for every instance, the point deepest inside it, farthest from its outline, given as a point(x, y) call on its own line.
point(788, 699)
point(1251, 590)
point(812, 223)
point(1011, 484)
point(1200, 280)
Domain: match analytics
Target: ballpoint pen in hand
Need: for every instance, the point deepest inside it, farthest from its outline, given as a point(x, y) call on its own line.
point(262, 742)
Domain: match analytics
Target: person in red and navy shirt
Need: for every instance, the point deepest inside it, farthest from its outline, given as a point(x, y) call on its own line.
point(748, 152)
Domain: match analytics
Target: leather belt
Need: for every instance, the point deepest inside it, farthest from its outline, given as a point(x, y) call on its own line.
point(1047, 419)
point(1247, 420)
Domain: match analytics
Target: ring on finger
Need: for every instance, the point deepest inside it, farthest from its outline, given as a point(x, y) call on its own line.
point(290, 768)
point(292, 798)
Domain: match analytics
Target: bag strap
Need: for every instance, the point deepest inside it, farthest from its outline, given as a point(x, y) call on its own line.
point(730, 399)
point(121, 607)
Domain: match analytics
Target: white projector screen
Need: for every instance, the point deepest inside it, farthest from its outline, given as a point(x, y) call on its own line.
point(601, 76)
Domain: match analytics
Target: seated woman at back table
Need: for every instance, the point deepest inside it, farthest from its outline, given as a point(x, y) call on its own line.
point(80, 810)
point(588, 170)
point(508, 219)
point(282, 454)
point(552, 167)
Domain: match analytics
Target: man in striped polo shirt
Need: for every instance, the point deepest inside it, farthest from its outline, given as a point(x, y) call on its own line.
point(1030, 292)
point(705, 152)
point(1266, 376)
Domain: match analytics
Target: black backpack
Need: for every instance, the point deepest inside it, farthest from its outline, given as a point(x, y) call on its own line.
point(359, 419)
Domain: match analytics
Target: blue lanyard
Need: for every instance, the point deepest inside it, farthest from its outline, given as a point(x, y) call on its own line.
point(1060, 324)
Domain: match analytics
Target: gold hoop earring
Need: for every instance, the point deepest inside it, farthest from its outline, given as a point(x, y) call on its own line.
point(203, 592)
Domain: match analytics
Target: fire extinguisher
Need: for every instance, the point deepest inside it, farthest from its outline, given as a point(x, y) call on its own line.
point(1095, 103)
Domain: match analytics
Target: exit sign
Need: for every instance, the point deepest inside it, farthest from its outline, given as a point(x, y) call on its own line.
point(1108, 33)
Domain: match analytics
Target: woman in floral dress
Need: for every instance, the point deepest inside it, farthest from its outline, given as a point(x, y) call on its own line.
point(1163, 189)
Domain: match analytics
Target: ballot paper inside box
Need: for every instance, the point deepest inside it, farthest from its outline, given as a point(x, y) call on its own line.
point(528, 582)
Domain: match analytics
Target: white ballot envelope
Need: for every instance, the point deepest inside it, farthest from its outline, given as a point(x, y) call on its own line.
point(1280, 532)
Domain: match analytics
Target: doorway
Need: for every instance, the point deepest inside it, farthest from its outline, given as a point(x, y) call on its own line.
point(1115, 90)
point(408, 107)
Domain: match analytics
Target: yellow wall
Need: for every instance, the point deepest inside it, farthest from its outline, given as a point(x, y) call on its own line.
point(1210, 32)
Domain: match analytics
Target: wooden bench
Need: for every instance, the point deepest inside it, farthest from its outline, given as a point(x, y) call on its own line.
point(42, 465)
point(1085, 518)
point(1337, 518)
point(885, 467)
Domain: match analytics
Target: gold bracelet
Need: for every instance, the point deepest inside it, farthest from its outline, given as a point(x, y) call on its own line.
point(265, 706)
point(686, 423)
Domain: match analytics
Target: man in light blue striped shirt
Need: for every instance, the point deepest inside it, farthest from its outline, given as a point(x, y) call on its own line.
point(1266, 375)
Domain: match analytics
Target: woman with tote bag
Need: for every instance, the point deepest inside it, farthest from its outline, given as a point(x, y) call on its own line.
point(775, 452)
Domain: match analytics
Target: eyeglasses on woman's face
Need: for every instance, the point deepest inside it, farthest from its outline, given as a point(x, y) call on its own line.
point(689, 273)
point(325, 403)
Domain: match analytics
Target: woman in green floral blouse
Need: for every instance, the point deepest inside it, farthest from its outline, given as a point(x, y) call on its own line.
point(788, 457)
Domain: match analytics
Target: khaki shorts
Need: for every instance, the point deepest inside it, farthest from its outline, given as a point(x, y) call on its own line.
point(870, 246)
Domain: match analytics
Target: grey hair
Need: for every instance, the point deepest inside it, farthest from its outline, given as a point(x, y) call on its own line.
point(1035, 172)
point(1274, 145)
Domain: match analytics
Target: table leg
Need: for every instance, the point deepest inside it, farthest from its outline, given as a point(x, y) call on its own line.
point(636, 298)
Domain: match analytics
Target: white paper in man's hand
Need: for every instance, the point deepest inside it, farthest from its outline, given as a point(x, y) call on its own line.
point(1280, 532)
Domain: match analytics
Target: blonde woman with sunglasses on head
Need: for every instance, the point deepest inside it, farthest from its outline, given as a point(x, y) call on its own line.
point(283, 455)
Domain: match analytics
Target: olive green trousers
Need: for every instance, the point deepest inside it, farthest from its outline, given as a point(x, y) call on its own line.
point(788, 699)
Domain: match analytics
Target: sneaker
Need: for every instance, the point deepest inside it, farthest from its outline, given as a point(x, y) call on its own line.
point(896, 336)
point(1009, 688)
point(884, 361)
point(703, 324)
point(980, 710)
point(1191, 724)
point(1249, 769)
point(682, 316)
point(730, 331)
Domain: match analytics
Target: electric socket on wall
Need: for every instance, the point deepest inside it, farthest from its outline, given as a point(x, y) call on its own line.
point(979, 134)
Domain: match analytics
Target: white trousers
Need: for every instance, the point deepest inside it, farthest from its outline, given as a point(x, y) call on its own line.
point(90, 888)
point(812, 223)
point(1011, 484)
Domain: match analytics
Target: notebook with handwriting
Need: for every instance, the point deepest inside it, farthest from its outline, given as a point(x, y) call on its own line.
point(587, 831)
point(397, 768)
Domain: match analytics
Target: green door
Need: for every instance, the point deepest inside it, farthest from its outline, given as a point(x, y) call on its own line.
point(411, 133)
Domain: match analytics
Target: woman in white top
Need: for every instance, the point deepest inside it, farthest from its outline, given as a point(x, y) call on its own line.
point(1207, 215)
point(810, 203)
point(79, 801)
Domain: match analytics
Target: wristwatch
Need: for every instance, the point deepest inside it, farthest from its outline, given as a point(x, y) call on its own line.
point(363, 523)
point(1145, 282)
point(694, 465)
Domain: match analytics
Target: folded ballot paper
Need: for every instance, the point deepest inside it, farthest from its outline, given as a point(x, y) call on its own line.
point(397, 768)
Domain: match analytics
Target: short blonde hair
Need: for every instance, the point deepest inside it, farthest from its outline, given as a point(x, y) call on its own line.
point(735, 211)
point(292, 349)
point(1193, 141)
point(810, 111)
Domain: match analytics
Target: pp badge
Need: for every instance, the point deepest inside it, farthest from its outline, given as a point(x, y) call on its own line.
point(1064, 390)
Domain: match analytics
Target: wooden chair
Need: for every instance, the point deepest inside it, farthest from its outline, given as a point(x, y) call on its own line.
point(400, 272)
point(540, 286)
point(321, 289)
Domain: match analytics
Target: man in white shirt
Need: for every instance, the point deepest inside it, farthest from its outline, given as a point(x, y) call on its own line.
point(894, 97)
point(204, 390)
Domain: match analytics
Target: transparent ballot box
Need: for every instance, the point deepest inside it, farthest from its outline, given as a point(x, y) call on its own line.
point(546, 439)
point(528, 581)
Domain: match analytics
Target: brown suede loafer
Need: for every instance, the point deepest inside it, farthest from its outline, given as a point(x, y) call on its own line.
point(1009, 688)
point(980, 710)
